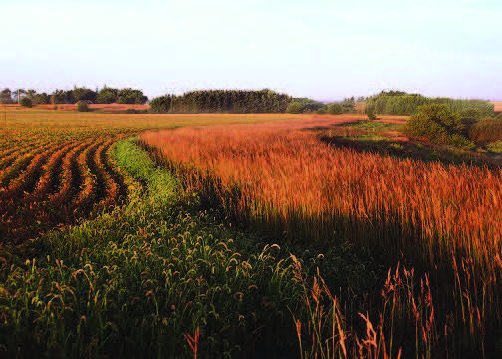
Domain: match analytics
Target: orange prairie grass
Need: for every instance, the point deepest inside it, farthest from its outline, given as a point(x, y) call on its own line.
point(286, 175)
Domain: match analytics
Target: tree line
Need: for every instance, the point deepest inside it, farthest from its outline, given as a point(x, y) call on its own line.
point(402, 103)
point(245, 101)
point(104, 96)
point(222, 101)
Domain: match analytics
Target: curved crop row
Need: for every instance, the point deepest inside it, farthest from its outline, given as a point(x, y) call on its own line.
point(63, 181)
point(67, 179)
point(11, 172)
point(27, 179)
point(49, 172)
point(109, 188)
point(88, 179)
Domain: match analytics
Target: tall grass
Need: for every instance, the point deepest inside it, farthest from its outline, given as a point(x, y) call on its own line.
point(444, 220)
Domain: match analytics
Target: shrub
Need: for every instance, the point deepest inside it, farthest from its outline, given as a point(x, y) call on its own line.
point(26, 102)
point(439, 124)
point(82, 106)
point(486, 130)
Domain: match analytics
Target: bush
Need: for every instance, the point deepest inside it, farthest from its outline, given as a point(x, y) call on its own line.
point(439, 124)
point(82, 106)
point(486, 130)
point(26, 102)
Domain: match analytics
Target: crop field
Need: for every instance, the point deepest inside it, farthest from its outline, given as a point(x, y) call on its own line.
point(244, 235)
point(498, 106)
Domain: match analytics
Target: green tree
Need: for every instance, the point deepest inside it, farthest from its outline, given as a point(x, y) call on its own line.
point(131, 96)
point(161, 104)
point(6, 96)
point(41, 98)
point(107, 95)
point(83, 94)
point(334, 109)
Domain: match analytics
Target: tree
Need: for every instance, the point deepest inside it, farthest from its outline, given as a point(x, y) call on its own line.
point(107, 95)
point(161, 104)
point(334, 109)
point(62, 96)
point(348, 105)
point(41, 98)
point(30, 93)
point(131, 96)
point(83, 94)
point(294, 107)
point(304, 105)
point(18, 94)
point(6, 96)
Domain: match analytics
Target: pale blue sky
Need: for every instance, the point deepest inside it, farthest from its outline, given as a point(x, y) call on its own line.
point(318, 48)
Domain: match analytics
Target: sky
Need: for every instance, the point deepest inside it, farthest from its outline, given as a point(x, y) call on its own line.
point(321, 49)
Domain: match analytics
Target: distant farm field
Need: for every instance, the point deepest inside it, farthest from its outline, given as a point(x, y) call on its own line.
point(73, 107)
point(226, 235)
point(498, 106)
